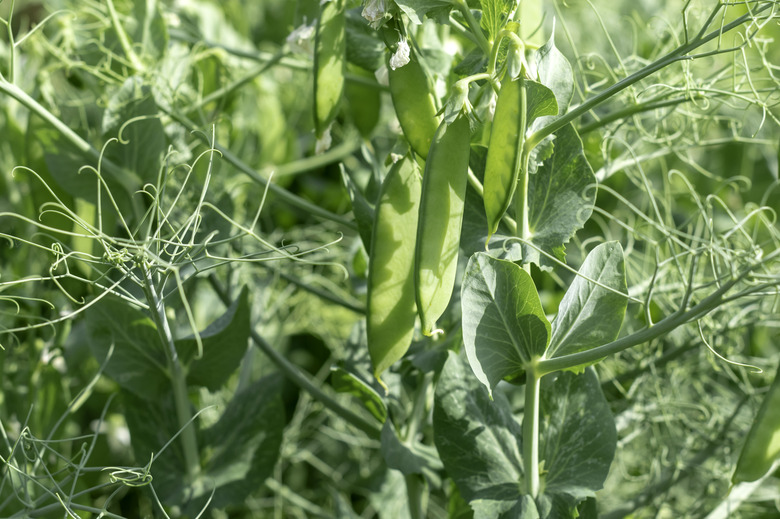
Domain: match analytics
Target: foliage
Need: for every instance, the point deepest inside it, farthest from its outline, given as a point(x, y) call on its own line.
point(550, 227)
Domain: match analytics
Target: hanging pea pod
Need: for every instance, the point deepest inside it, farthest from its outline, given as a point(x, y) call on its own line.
point(441, 217)
point(519, 103)
point(391, 304)
point(762, 445)
point(414, 103)
point(363, 101)
point(329, 64)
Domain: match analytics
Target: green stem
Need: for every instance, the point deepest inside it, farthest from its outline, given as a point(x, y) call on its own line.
point(474, 26)
point(298, 377)
point(663, 327)
point(124, 41)
point(333, 155)
point(678, 54)
point(531, 433)
point(415, 490)
point(630, 111)
point(178, 377)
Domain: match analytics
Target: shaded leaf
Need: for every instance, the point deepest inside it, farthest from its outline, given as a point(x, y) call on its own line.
point(225, 342)
point(478, 439)
point(138, 362)
point(416, 10)
point(345, 382)
point(504, 325)
point(560, 198)
point(590, 315)
point(555, 73)
point(494, 14)
point(412, 458)
point(578, 435)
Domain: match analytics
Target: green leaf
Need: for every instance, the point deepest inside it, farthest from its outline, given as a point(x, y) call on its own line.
point(589, 314)
point(554, 72)
point(494, 15)
point(244, 444)
point(132, 117)
point(417, 9)
point(345, 382)
point(504, 325)
point(411, 458)
point(578, 435)
point(522, 508)
point(137, 362)
point(560, 198)
point(478, 439)
point(224, 345)
point(361, 209)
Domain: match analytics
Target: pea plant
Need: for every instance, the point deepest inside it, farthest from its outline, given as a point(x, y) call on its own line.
point(500, 259)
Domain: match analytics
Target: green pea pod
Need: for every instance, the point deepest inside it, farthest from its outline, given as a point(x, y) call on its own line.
point(762, 445)
point(441, 217)
point(391, 304)
point(415, 104)
point(363, 101)
point(504, 152)
point(329, 64)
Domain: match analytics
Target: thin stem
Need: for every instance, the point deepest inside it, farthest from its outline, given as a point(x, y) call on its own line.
point(678, 54)
point(178, 377)
point(474, 26)
point(630, 111)
point(531, 432)
point(415, 490)
point(124, 41)
point(302, 380)
point(333, 155)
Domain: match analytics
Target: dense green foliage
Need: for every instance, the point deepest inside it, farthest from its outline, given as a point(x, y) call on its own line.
point(389, 258)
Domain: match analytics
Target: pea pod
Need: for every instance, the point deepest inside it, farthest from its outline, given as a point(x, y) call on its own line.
point(519, 103)
point(363, 101)
point(441, 217)
point(329, 63)
point(762, 445)
point(414, 103)
point(391, 304)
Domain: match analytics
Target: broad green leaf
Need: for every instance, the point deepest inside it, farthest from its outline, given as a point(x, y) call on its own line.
point(389, 497)
point(478, 439)
point(224, 345)
point(132, 116)
point(244, 444)
point(560, 198)
point(494, 14)
point(555, 73)
point(148, 29)
point(345, 382)
point(416, 10)
point(578, 436)
point(409, 458)
point(522, 508)
point(504, 325)
point(138, 362)
point(590, 314)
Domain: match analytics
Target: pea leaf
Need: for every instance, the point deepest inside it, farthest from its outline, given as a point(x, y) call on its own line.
point(494, 14)
point(345, 382)
point(560, 198)
point(589, 314)
point(478, 439)
point(416, 10)
point(554, 72)
point(137, 361)
point(578, 435)
point(409, 458)
point(504, 325)
point(224, 345)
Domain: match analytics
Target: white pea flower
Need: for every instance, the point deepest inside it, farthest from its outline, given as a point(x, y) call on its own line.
point(374, 11)
point(301, 40)
point(401, 56)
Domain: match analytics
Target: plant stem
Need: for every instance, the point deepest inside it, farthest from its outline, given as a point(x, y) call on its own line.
point(678, 54)
point(663, 327)
point(415, 490)
point(302, 380)
point(531, 432)
point(124, 41)
point(178, 377)
point(474, 26)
